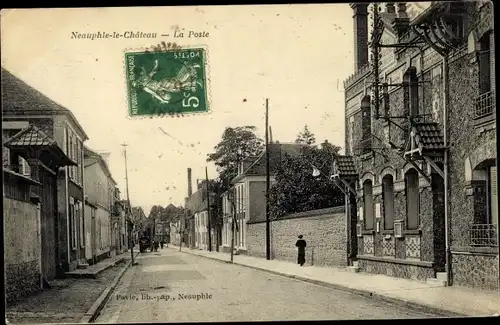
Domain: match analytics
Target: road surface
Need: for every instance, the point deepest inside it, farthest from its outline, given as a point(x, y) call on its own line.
point(170, 286)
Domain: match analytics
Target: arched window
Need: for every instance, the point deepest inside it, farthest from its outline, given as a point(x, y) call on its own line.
point(412, 199)
point(388, 197)
point(368, 204)
point(366, 124)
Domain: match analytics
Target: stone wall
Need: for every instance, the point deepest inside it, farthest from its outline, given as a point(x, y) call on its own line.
point(407, 271)
point(475, 270)
point(324, 231)
point(21, 249)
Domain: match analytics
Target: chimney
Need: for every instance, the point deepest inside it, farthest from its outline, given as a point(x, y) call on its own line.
point(389, 8)
point(360, 18)
point(190, 187)
point(270, 135)
point(402, 21)
point(105, 157)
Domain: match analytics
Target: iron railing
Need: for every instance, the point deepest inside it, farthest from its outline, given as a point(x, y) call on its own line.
point(483, 235)
point(485, 105)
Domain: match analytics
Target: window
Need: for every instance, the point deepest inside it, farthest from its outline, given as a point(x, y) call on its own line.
point(366, 125)
point(412, 199)
point(388, 199)
point(82, 230)
point(351, 135)
point(368, 204)
point(410, 99)
point(72, 212)
point(484, 58)
point(483, 232)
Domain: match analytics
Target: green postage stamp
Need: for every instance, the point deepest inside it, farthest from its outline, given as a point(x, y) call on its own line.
point(169, 82)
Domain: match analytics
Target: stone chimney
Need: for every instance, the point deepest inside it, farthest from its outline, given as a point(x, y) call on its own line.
point(402, 21)
point(360, 18)
point(190, 187)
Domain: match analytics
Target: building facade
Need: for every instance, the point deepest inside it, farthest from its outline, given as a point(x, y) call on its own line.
point(22, 106)
point(422, 144)
point(99, 206)
point(247, 202)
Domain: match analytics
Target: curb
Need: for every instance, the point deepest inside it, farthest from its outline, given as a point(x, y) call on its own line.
point(366, 293)
point(98, 305)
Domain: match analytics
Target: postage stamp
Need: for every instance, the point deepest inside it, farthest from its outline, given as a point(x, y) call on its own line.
point(173, 81)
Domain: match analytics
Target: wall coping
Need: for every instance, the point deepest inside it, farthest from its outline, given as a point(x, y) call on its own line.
point(471, 250)
point(393, 260)
point(306, 214)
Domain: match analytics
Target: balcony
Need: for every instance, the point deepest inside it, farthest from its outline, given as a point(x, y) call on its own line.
point(485, 105)
point(483, 235)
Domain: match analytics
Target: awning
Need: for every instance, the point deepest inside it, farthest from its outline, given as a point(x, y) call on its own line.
point(35, 140)
point(344, 167)
point(426, 139)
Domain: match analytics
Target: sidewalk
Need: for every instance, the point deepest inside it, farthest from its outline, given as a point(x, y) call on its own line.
point(448, 301)
point(92, 271)
point(71, 299)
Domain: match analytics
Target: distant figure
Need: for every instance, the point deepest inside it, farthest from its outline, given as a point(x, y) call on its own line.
point(161, 244)
point(301, 245)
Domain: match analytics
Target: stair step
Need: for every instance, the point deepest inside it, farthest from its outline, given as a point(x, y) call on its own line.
point(437, 282)
point(441, 276)
point(82, 266)
point(353, 269)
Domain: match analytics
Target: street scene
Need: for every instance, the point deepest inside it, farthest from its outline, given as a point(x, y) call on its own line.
point(340, 166)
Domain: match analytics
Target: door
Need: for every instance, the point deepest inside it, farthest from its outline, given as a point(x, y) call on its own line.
point(48, 225)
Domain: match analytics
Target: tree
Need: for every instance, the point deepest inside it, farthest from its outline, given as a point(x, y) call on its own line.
point(297, 190)
point(306, 136)
point(236, 144)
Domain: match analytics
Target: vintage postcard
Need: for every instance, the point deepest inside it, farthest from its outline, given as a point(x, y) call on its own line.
point(330, 161)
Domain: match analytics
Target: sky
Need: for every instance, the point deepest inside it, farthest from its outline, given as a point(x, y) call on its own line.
point(295, 55)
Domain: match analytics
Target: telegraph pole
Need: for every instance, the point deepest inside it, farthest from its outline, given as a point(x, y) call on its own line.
point(268, 235)
point(128, 202)
point(208, 213)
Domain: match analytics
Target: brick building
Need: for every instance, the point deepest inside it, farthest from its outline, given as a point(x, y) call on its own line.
point(432, 132)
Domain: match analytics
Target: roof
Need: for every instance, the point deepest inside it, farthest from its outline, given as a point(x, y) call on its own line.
point(93, 154)
point(277, 152)
point(428, 136)
point(19, 98)
point(34, 138)
point(30, 136)
point(345, 167)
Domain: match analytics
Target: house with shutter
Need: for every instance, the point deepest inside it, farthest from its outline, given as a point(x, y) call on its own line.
point(421, 136)
point(247, 206)
point(22, 106)
point(99, 208)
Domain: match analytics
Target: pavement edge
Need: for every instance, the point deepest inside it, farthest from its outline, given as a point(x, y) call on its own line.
point(366, 293)
point(98, 305)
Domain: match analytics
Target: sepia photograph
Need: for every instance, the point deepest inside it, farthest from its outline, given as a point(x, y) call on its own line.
point(236, 163)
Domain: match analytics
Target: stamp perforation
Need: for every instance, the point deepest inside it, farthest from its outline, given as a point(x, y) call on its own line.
point(170, 48)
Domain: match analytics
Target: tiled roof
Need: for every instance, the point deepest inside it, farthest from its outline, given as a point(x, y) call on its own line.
point(19, 98)
point(428, 136)
point(30, 136)
point(345, 166)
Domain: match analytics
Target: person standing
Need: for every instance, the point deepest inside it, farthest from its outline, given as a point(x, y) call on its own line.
point(301, 250)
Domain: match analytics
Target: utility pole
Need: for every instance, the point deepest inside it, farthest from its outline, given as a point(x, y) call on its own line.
point(209, 224)
point(181, 231)
point(129, 212)
point(268, 235)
